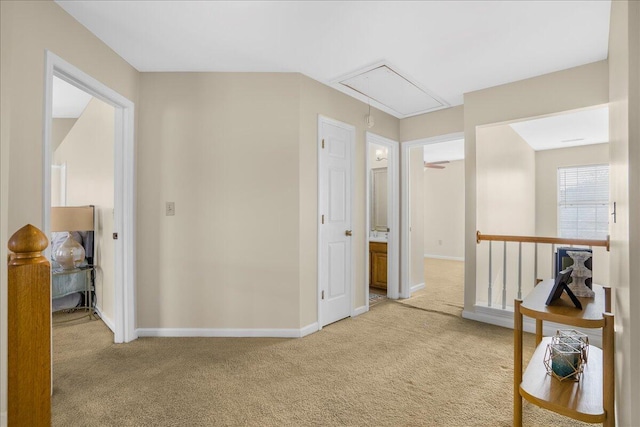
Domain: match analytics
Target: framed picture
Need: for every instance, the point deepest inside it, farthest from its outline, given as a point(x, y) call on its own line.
point(561, 285)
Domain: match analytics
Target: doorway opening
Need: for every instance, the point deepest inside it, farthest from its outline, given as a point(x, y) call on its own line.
point(555, 171)
point(433, 223)
point(122, 215)
point(82, 196)
point(382, 252)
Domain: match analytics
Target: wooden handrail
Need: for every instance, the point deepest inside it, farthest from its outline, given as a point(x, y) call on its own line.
point(535, 239)
point(29, 331)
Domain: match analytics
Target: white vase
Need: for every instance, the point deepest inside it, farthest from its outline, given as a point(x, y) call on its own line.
point(69, 254)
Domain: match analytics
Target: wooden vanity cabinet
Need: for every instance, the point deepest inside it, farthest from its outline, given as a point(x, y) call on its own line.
point(378, 265)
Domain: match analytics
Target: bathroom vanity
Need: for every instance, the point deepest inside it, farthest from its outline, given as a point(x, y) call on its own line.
point(378, 265)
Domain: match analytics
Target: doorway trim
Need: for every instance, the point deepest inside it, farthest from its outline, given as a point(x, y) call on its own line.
point(352, 133)
point(124, 184)
point(405, 253)
point(393, 214)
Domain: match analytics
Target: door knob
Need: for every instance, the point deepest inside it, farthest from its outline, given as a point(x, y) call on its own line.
point(347, 233)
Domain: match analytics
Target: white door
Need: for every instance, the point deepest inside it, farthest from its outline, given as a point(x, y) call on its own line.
point(336, 142)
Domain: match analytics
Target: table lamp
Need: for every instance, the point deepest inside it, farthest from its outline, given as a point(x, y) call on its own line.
point(70, 253)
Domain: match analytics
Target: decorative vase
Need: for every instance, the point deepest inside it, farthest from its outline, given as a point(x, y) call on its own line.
point(69, 254)
point(566, 355)
point(580, 274)
point(565, 361)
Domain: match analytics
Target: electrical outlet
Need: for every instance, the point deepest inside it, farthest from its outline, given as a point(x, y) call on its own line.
point(170, 209)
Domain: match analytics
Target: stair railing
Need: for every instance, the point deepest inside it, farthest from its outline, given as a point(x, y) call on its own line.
point(29, 330)
point(553, 241)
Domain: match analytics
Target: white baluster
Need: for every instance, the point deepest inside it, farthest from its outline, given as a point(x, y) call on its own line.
point(519, 270)
point(504, 277)
point(535, 264)
point(489, 293)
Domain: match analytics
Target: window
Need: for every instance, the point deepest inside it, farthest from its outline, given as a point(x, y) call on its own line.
point(583, 202)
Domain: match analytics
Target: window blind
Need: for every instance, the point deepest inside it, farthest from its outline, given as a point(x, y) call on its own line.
point(583, 202)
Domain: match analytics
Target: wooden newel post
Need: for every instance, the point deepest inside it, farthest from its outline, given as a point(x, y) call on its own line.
point(29, 324)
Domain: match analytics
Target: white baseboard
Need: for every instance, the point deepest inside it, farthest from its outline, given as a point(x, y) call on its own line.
point(450, 258)
point(504, 318)
point(417, 287)
point(228, 332)
point(106, 320)
point(358, 311)
point(309, 329)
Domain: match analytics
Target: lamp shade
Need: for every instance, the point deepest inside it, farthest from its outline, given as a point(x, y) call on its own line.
point(72, 218)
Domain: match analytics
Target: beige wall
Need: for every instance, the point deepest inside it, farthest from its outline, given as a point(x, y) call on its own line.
point(624, 137)
point(547, 164)
point(88, 152)
point(444, 211)
point(316, 98)
point(27, 29)
point(224, 148)
point(252, 227)
point(506, 197)
point(59, 130)
point(416, 207)
point(5, 138)
point(441, 122)
point(506, 182)
point(565, 90)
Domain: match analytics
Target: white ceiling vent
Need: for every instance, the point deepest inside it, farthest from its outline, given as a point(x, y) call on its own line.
point(390, 91)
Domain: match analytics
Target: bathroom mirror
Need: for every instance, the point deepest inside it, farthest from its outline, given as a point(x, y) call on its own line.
point(378, 199)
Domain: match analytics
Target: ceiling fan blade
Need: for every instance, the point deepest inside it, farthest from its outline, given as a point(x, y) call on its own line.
point(433, 166)
point(441, 162)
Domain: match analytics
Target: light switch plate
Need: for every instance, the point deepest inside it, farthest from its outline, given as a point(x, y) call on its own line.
point(170, 209)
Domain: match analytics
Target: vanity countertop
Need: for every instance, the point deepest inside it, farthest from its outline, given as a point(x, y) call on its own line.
point(379, 239)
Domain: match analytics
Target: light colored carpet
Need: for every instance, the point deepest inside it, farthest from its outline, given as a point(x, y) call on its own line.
point(444, 288)
point(393, 366)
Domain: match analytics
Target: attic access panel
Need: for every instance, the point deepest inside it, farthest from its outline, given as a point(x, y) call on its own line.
point(386, 86)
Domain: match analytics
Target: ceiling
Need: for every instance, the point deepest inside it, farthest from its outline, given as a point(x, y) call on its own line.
point(566, 130)
point(571, 129)
point(68, 101)
point(444, 151)
point(441, 48)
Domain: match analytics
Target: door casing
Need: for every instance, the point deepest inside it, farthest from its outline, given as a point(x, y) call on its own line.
point(405, 253)
point(124, 184)
point(393, 215)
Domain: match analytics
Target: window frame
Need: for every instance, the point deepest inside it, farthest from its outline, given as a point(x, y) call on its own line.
point(594, 202)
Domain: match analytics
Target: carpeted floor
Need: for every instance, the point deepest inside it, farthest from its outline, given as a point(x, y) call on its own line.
point(444, 288)
point(397, 365)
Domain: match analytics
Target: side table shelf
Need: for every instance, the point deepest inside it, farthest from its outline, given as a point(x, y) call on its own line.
point(592, 398)
point(86, 287)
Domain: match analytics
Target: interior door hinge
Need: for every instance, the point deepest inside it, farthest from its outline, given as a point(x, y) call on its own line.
point(322, 294)
point(323, 219)
point(323, 143)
